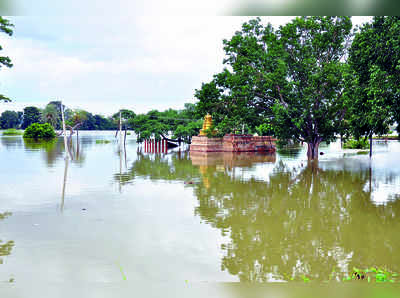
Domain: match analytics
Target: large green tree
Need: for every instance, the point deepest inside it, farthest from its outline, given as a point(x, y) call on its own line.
point(50, 114)
point(9, 119)
point(6, 27)
point(239, 94)
point(310, 104)
point(374, 78)
point(293, 76)
point(31, 115)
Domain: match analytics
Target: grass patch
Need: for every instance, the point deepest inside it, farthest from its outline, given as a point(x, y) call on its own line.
point(388, 137)
point(356, 144)
point(362, 152)
point(12, 132)
point(102, 141)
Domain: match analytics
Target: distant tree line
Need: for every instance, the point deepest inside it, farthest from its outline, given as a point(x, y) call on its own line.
point(52, 114)
point(178, 124)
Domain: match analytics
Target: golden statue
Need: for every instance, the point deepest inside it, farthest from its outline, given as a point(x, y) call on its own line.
point(207, 124)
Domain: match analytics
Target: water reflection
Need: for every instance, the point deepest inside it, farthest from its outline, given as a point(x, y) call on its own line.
point(305, 222)
point(52, 150)
point(173, 167)
point(313, 220)
point(292, 151)
point(11, 142)
point(281, 218)
point(5, 247)
point(64, 184)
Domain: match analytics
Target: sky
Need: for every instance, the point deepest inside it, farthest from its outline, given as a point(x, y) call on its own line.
point(105, 63)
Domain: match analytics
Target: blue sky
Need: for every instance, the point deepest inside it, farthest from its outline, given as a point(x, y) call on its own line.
point(105, 63)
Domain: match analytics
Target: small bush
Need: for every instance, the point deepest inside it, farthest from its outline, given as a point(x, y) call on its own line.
point(356, 144)
point(102, 141)
point(39, 131)
point(265, 129)
point(12, 132)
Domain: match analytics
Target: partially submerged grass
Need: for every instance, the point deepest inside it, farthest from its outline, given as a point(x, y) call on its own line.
point(377, 275)
point(13, 132)
point(356, 144)
point(102, 141)
point(368, 275)
point(387, 137)
point(365, 152)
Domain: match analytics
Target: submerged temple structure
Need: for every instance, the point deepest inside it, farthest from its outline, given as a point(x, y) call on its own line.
point(230, 142)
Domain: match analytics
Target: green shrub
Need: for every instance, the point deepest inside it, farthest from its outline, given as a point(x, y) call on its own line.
point(265, 129)
point(356, 144)
point(12, 132)
point(39, 131)
point(102, 141)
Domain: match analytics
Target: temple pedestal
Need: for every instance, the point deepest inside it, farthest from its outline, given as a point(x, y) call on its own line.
point(233, 143)
point(205, 144)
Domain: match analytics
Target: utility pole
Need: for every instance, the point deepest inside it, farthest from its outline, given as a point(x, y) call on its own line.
point(66, 159)
point(120, 130)
point(64, 131)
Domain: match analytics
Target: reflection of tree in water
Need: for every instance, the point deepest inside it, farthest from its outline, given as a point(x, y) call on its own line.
point(5, 247)
point(179, 166)
point(159, 167)
point(290, 150)
point(54, 150)
point(11, 142)
point(77, 152)
point(51, 149)
point(303, 222)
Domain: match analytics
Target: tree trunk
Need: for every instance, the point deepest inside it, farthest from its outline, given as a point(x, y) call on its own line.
point(312, 150)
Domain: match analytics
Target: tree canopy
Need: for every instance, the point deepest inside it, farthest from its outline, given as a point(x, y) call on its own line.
point(9, 119)
point(5, 27)
point(374, 78)
point(50, 115)
point(182, 124)
point(292, 77)
point(31, 115)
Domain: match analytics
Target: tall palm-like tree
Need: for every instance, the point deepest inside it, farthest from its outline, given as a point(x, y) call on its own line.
point(50, 115)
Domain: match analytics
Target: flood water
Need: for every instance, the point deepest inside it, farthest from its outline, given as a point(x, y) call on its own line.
point(153, 223)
